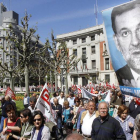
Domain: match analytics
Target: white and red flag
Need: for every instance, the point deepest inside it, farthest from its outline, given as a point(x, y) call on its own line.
point(10, 93)
point(43, 103)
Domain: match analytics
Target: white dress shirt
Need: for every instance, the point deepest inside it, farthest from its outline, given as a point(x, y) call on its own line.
point(87, 123)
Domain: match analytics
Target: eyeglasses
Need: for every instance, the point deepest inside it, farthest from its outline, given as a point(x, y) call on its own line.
point(37, 120)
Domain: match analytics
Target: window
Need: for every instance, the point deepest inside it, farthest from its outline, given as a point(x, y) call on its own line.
point(83, 40)
point(93, 49)
point(93, 64)
point(107, 78)
point(75, 80)
point(74, 42)
point(7, 80)
point(92, 37)
point(84, 65)
point(106, 63)
point(84, 51)
point(75, 52)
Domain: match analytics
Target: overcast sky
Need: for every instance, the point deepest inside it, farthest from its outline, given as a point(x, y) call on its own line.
point(62, 16)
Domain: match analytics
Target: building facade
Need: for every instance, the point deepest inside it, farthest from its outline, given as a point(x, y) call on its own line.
point(94, 65)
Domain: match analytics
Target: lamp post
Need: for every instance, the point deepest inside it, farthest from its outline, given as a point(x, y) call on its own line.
point(62, 67)
point(46, 78)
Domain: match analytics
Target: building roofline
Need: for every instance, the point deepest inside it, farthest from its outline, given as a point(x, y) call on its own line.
point(80, 32)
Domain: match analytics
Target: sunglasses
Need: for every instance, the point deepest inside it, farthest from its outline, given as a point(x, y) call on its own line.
point(37, 120)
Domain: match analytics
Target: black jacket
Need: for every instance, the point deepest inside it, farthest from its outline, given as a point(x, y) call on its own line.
point(132, 110)
point(110, 129)
point(58, 107)
point(124, 73)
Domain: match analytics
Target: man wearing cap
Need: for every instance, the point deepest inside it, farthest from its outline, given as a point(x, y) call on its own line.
point(4, 103)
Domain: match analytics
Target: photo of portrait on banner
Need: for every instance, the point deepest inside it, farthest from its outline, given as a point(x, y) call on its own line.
point(122, 26)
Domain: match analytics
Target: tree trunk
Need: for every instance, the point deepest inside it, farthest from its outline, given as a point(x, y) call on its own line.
point(11, 82)
point(39, 83)
point(26, 73)
point(51, 81)
point(20, 86)
point(55, 77)
point(67, 83)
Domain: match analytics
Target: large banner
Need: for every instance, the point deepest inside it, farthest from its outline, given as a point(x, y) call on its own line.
point(122, 28)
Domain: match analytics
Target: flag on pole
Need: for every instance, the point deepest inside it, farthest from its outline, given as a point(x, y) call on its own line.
point(43, 103)
point(79, 90)
point(10, 93)
point(92, 90)
point(107, 98)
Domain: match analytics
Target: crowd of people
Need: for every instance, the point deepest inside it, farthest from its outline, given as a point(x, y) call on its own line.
point(75, 117)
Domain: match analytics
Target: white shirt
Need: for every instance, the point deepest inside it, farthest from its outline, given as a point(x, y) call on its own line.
point(32, 110)
point(25, 101)
point(87, 123)
point(71, 101)
point(61, 101)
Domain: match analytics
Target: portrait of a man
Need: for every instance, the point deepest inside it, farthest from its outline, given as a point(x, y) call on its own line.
point(126, 27)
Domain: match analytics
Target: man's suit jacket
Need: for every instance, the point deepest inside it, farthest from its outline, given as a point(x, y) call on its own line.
point(124, 73)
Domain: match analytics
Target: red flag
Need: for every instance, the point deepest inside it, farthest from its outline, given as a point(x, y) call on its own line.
point(10, 93)
point(113, 86)
point(92, 90)
point(79, 90)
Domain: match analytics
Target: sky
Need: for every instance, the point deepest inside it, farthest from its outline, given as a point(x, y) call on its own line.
point(61, 16)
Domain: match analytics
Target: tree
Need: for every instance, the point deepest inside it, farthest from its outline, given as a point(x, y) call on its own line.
point(25, 45)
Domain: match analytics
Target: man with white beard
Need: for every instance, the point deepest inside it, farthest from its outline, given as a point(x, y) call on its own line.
point(106, 127)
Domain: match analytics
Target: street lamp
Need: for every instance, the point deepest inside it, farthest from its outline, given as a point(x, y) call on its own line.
point(62, 67)
point(46, 78)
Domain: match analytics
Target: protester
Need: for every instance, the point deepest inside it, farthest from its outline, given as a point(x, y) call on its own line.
point(71, 100)
point(87, 118)
point(25, 117)
point(134, 108)
point(12, 124)
point(62, 98)
point(40, 131)
point(75, 136)
point(9, 100)
point(58, 109)
point(126, 121)
point(106, 127)
point(136, 133)
point(26, 100)
point(67, 116)
point(79, 116)
point(4, 103)
point(75, 110)
point(32, 104)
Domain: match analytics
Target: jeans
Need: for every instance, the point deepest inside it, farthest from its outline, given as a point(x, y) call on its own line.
point(1, 123)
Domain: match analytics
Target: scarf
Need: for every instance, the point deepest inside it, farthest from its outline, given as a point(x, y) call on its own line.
point(39, 133)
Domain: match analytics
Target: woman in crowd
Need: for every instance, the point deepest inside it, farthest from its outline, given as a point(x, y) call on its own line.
point(75, 111)
point(39, 131)
point(126, 121)
point(67, 117)
point(116, 101)
point(26, 127)
point(12, 124)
